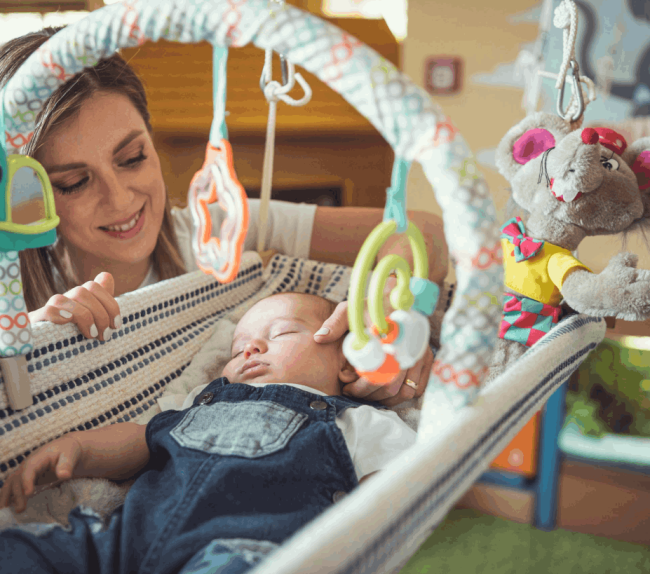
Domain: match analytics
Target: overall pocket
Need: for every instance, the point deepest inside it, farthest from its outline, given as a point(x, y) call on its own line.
point(247, 429)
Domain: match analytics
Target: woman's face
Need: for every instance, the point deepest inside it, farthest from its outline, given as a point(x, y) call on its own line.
point(108, 186)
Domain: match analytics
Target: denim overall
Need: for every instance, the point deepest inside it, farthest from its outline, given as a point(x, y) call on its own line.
point(228, 480)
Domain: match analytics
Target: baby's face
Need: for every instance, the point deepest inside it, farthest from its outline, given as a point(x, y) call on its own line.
point(274, 343)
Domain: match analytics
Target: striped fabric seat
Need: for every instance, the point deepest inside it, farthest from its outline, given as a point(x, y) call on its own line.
point(78, 383)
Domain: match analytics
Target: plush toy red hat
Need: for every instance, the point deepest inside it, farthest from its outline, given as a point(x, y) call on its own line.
point(612, 140)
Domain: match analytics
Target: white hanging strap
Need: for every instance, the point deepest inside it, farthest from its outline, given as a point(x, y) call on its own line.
point(566, 17)
point(274, 91)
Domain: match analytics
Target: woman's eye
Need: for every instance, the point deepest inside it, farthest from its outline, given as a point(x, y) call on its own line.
point(609, 164)
point(131, 162)
point(74, 187)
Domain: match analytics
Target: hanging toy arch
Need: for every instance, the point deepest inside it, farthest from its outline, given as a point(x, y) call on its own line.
point(402, 112)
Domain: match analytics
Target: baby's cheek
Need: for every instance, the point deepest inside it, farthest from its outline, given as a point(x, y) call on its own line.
point(228, 370)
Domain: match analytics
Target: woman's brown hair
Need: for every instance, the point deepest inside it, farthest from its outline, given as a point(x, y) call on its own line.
point(113, 74)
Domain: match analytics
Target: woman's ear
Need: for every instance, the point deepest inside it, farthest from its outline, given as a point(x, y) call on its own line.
point(347, 374)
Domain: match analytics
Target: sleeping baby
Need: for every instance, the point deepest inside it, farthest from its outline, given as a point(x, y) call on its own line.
point(248, 460)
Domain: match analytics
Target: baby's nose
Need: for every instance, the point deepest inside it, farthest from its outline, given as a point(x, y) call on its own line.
point(250, 349)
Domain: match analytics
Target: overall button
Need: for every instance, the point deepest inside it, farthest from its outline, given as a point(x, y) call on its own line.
point(318, 405)
point(206, 398)
point(338, 495)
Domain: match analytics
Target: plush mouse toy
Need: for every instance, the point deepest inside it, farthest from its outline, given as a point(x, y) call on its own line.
point(572, 183)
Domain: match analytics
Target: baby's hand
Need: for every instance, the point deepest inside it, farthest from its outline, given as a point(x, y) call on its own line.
point(90, 306)
point(52, 462)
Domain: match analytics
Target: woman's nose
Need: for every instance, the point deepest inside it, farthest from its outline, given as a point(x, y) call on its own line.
point(118, 193)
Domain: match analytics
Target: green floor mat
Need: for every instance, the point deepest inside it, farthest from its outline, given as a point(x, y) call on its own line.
point(469, 542)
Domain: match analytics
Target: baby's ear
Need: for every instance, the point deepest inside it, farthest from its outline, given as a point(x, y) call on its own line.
point(347, 374)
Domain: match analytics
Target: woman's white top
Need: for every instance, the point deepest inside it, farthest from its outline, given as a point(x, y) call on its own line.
point(374, 437)
point(288, 229)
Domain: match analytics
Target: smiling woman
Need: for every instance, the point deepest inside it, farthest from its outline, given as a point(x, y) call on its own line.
point(93, 138)
point(111, 195)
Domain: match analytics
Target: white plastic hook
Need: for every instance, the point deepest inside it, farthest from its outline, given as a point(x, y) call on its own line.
point(274, 91)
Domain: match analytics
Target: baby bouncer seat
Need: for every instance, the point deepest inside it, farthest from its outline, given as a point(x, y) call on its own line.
point(173, 330)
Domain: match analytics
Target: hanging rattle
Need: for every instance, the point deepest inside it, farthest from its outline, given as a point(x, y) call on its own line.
point(396, 342)
point(27, 220)
point(216, 181)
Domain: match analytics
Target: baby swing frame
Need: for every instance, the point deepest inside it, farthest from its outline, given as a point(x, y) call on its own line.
point(80, 384)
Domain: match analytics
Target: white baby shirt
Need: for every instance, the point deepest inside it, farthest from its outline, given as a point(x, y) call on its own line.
point(374, 437)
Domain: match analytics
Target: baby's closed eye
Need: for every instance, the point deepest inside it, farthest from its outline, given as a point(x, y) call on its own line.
point(281, 333)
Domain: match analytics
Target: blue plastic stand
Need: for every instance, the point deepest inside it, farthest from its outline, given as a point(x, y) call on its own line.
point(545, 485)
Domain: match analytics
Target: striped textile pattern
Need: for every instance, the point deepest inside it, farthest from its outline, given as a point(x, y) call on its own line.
point(80, 383)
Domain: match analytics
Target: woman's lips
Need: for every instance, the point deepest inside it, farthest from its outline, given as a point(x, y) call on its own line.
point(131, 232)
point(125, 220)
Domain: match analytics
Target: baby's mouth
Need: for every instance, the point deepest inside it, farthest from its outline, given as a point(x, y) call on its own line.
point(252, 365)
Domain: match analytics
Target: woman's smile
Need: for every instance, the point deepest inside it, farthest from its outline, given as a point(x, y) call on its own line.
point(129, 229)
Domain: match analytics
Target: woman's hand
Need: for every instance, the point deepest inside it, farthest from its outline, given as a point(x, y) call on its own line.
point(389, 394)
point(90, 306)
point(53, 462)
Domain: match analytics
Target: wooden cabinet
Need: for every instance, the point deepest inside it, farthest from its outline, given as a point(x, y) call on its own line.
point(520, 456)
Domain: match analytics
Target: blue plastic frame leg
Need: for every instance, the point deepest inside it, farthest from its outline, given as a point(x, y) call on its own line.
point(550, 456)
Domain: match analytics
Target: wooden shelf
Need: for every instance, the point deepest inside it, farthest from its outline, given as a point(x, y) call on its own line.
point(593, 499)
point(178, 79)
point(323, 142)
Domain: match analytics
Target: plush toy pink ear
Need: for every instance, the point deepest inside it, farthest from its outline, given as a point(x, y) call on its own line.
point(531, 144)
point(641, 168)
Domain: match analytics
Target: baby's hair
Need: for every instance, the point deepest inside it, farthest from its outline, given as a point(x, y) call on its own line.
point(327, 305)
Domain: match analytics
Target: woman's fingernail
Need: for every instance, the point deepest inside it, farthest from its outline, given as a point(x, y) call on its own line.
point(322, 331)
point(93, 331)
point(118, 321)
point(108, 332)
point(65, 314)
